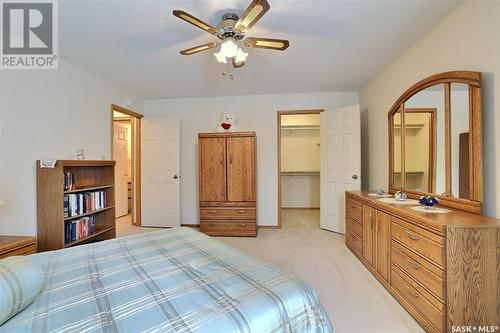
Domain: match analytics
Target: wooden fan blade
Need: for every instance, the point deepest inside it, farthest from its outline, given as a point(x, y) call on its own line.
point(199, 48)
point(253, 13)
point(267, 43)
point(238, 64)
point(195, 21)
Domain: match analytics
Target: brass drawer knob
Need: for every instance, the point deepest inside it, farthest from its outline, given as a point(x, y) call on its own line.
point(412, 293)
point(412, 236)
point(241, 211)
point(413, 264)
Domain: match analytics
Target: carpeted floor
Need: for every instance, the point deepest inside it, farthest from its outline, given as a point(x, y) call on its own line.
point(352, 297)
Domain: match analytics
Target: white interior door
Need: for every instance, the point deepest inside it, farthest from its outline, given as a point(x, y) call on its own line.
point(160, 172)
point(340, 163)
point(120, 154)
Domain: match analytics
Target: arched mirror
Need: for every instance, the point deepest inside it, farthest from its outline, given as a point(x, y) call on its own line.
point(435, 140)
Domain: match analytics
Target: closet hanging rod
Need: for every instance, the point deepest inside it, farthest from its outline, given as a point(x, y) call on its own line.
point(300, 127)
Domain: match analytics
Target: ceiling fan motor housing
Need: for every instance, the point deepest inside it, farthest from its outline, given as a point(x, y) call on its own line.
point(226, 27)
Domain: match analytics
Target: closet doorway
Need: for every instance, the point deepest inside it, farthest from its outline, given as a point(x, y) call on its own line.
point(299, 168)
point(126, 151)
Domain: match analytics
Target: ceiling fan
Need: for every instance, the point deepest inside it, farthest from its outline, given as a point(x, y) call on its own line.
point(231, 31)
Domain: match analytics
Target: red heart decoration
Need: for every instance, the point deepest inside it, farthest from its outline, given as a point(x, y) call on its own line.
point(226, 126)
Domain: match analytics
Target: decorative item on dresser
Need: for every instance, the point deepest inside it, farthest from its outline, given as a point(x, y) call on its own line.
point(227, 162)
point(75, 203)
point(16, 246)
point(442, 265)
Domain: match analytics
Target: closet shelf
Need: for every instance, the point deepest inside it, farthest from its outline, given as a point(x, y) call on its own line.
point(300, 127)
point(411, 126)
point(300, 173)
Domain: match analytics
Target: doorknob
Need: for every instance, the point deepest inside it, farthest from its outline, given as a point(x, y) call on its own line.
point(175, 177)
point(354, 176)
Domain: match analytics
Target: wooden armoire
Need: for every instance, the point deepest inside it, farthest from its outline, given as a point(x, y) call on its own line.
point(228, 178)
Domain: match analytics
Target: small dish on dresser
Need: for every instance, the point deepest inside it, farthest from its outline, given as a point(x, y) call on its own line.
point(392, 200)
point(380, 193)
point(433, 210)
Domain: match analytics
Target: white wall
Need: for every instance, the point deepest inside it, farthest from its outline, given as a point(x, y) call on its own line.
point(256, 113)
point(48, 114)
point(300, 191)
point(467, 39)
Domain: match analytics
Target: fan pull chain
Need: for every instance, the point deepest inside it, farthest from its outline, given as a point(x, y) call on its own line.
point(227, 71)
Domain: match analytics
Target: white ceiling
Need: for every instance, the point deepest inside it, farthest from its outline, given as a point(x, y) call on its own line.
point(334, 45)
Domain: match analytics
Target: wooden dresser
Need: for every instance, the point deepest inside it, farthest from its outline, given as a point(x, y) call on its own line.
point(16, 246)
point(227, 193)
point(444, 269)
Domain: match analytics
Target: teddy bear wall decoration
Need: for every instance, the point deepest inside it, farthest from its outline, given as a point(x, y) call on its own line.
point(227, 123)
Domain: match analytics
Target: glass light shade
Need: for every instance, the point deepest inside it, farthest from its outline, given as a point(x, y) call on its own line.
point(220, 57)
point(229, 48)
point(240, 56)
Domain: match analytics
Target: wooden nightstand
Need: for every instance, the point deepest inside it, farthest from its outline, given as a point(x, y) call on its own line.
point(16, 246)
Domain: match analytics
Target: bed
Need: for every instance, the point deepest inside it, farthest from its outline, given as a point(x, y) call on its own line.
point(175, 280)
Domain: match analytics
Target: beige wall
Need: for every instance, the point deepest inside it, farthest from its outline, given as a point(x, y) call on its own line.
point(467, 39)
point(300, 150)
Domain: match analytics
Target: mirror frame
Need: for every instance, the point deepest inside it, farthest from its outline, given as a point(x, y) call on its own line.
point(473, 79)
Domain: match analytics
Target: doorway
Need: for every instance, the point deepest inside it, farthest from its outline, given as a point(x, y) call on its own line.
point(299, 168)
point(126, 151)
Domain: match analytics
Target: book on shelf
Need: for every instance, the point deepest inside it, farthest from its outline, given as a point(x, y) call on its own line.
point(83, 203)
point(69, 181)
point(78, 229)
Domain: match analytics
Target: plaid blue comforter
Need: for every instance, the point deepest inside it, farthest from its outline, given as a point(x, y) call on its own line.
point(176, 280)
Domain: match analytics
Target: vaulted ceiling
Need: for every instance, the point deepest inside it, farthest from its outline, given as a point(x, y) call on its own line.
point(334, 45)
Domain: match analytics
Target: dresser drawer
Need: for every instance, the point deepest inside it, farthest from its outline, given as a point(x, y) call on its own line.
point(425, 243)
point(354, 242)
point(431, 309)
point(429, 276)
point(228, 228)
point(231, 213)
point(354, 209)
point(354, 225)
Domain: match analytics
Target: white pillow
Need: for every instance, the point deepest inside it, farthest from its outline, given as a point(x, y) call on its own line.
point(21, 281)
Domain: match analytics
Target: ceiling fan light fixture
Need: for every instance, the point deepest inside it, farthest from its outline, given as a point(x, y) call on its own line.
point(229, 48)
point(231, 32)
point(240, 57)
point(220, 57)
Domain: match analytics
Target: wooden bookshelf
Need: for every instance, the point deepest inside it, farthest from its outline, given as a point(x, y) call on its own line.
point(90, 176)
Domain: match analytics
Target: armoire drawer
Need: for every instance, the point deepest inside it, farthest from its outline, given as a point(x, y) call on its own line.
point(354, 209)
point(425, 243)
point(354, 241)
point(228, 228)
point(430, 308)
point(236, 213)
point(429, 276)
point(354, 225)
